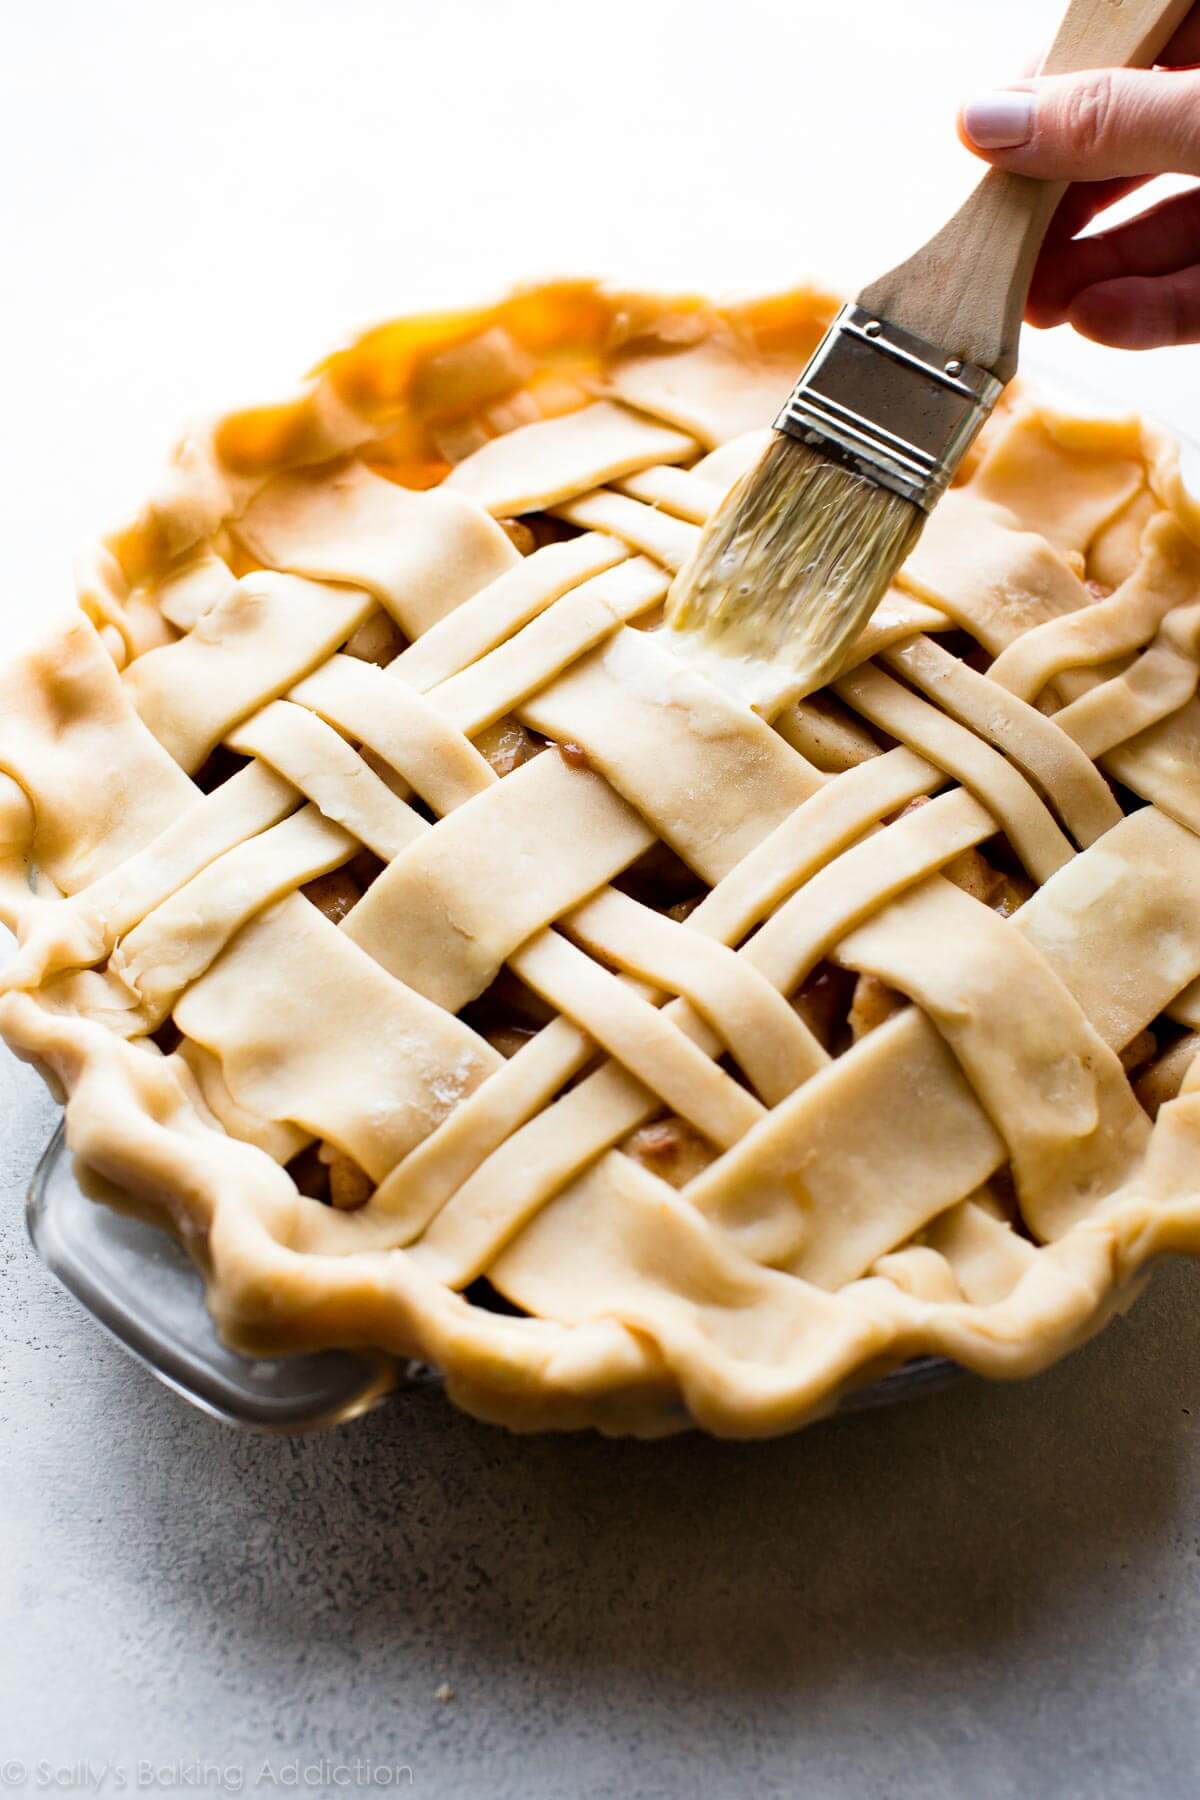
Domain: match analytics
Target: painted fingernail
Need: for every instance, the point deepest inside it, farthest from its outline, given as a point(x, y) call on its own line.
point(999, 121)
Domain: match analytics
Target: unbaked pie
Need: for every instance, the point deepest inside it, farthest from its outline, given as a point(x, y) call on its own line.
point(472, 978)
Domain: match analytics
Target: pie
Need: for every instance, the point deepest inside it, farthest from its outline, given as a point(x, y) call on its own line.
point(470, 977)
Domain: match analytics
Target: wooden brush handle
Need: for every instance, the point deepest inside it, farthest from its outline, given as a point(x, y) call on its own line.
point(966, 289)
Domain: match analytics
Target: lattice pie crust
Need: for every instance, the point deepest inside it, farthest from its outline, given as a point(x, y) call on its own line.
point(470, 978)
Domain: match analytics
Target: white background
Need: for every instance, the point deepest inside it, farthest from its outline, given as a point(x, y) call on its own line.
point(198, 200)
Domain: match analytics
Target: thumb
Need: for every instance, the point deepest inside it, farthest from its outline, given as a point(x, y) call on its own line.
point(1091, 126)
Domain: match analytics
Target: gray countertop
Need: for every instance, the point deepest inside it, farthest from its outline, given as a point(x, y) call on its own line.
point(994, 1591)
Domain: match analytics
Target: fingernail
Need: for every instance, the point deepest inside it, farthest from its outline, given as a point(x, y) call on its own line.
point(1000, 120)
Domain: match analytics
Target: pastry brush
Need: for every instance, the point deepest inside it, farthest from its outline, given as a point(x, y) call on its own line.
point(795, 559)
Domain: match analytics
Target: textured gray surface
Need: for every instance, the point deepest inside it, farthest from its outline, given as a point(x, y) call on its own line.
point(992, 1592)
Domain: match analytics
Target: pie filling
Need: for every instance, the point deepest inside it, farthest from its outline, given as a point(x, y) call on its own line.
point(479, 980)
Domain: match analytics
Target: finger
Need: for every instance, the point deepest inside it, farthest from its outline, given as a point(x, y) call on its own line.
point(1049, 293)
point(1083, 200)
point(1141, 312)
point(1092, 126)
point(1163, 239)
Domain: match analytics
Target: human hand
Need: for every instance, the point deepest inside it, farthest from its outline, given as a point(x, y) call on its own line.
point(1108, 132)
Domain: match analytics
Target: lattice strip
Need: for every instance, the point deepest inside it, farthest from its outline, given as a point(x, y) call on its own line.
point(828, 822)
point(541, 465)
point(1031, 828)
point(101, 784)
point(974, 562)
point(175, 943)
point(668, 740)
point(852, 1146)
point(399, 726)
point(767, 1040)
point(1162, 764)
point(530, 1168)
point(1118, 925)
point(860, 881)
point(435, 1169)
point(1156, 685)
point(984, 1254)
point(728, 462)
point(186, 595)
point(645, 1043)
point(86, 929)
point(1167, 575)
point(495, 614)
point(896, 618)
point(248, 649)
point(552, 642)
point(349, 1054)
point(832, 740)
point(280, 1140)
point(1055, 1090)
point(711, 388)
point(681, 493)
point(447, 913)
point(1065, 479)
point(325, 768)
point(421, 555)
point(1043, 749)
point(646, 529)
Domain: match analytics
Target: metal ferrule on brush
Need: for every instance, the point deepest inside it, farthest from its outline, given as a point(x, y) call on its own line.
point(896, 408)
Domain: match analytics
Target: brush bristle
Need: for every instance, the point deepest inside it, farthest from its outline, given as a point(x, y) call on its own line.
point(793, 562)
